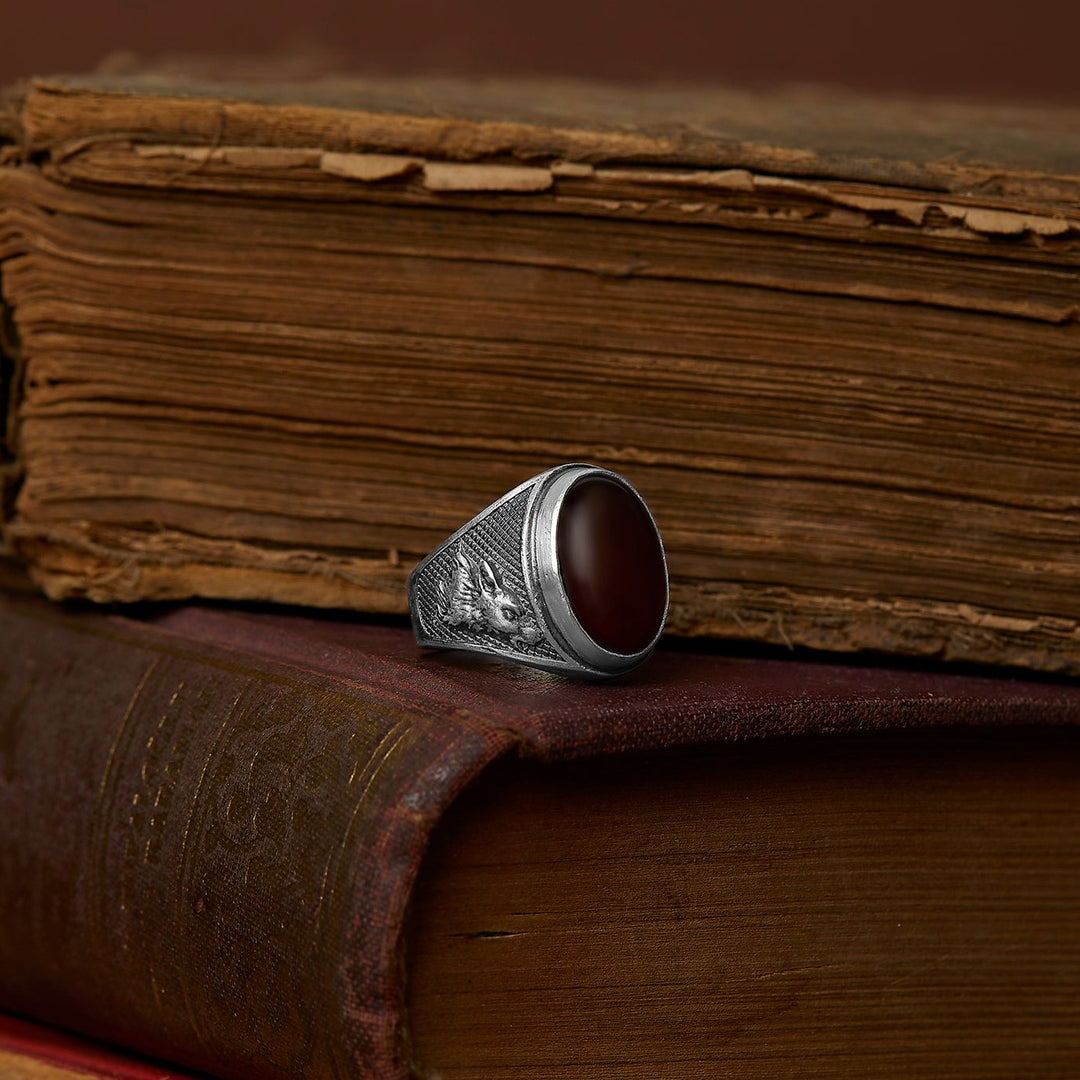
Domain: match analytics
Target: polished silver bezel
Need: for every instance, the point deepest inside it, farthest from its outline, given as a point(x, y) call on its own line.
point(544, 574)
point(572, 650)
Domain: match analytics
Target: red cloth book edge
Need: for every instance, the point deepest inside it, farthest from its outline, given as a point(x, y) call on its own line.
point(60, 1049)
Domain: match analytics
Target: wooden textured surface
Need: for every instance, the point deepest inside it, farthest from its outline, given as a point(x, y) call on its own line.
point(23, 1067)
point(279, 346)
point(865, 906)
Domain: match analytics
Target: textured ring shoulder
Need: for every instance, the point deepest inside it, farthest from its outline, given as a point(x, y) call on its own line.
point(566, 573)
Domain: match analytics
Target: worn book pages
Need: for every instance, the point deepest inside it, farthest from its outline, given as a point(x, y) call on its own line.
point(277, 343)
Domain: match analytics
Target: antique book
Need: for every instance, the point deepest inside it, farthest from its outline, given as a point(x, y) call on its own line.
point(276, 845)
point(277, 342)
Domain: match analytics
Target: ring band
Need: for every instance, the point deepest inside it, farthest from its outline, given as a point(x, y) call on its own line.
point(566, 573)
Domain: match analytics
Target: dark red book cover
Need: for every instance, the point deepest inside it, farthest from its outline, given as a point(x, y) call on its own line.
point(211, 821)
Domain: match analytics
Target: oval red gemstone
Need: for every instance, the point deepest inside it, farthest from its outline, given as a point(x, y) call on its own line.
point(612, 564)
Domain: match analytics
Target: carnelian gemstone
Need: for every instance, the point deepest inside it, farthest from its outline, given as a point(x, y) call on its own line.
point(612, 564)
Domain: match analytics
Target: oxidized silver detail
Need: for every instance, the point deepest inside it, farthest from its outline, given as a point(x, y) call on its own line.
point(495, 585)
point(475, 596)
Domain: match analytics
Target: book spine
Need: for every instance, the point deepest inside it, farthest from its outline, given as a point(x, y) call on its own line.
point(205, 855)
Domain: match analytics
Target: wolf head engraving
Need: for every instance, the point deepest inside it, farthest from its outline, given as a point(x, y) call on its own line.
point(475, 596)
point(501, 609)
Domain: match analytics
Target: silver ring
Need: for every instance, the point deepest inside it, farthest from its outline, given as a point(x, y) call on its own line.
point(566, 573)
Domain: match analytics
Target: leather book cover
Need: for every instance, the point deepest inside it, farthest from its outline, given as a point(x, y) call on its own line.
point(211, 821)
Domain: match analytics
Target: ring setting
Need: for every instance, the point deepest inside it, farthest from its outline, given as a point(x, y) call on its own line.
point(566, 572)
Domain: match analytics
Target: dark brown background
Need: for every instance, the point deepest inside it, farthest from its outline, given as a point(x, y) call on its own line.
point(992, 49)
